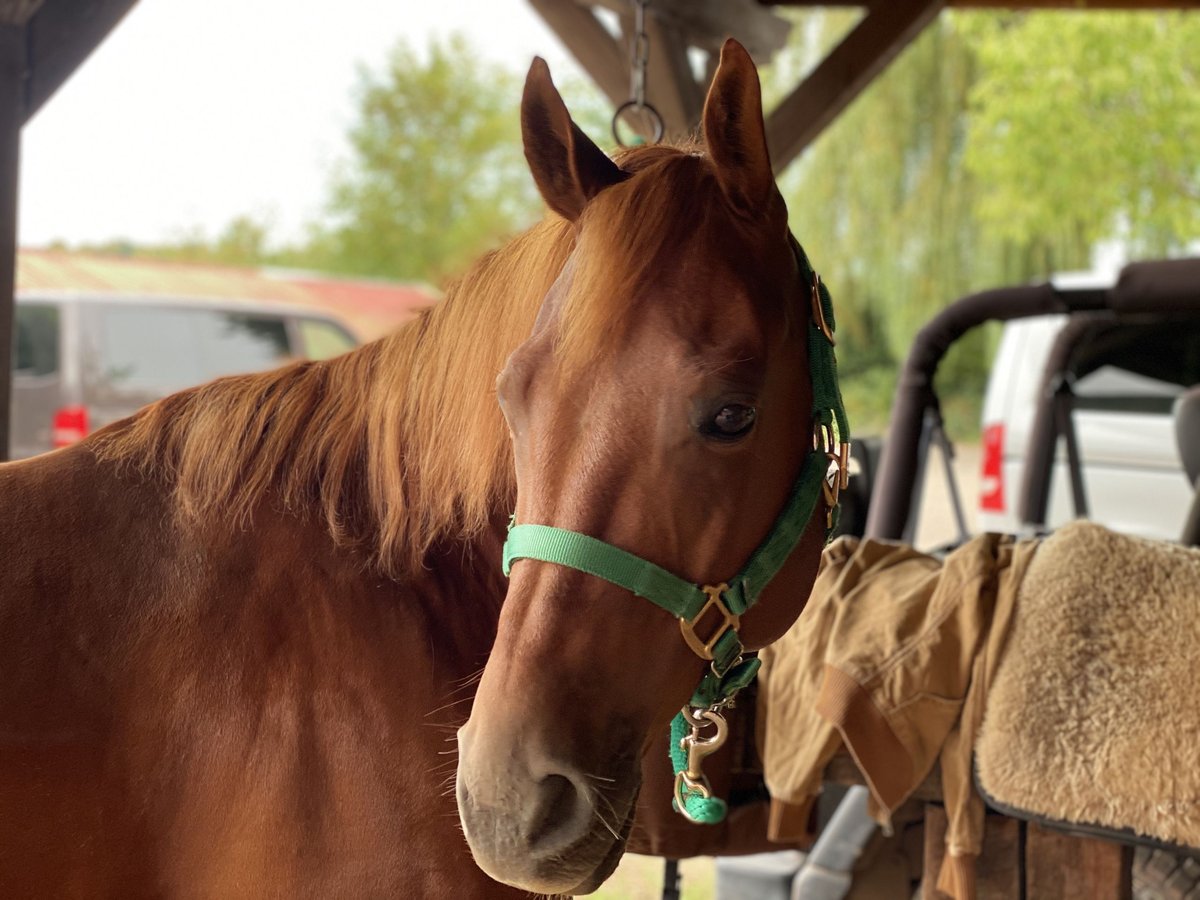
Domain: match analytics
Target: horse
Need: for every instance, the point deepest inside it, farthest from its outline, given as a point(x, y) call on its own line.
point(240, 629)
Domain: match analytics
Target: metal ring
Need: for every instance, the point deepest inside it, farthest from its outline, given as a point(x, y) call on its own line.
point(659, 127)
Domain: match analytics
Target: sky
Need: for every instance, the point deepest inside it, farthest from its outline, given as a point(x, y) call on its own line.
point(193, 112)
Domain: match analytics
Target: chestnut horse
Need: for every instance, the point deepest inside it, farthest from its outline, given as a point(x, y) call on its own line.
point(238, 629)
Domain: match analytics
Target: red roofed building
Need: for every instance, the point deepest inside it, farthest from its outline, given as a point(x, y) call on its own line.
point(368, 308)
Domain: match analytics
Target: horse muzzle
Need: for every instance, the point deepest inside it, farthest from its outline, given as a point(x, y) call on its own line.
point(539, 823)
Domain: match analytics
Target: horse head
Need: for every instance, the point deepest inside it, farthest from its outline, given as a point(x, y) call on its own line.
point(662, 406)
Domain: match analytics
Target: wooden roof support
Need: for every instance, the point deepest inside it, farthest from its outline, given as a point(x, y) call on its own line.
point(41, 43)
point(706, 23)
point(600, 54)
point(671, 86)
point(12, 89)
point(673, 26)
point(874, 42)
point(62, 34)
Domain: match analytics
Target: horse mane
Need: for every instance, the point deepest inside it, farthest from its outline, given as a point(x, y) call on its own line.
point(401, 443)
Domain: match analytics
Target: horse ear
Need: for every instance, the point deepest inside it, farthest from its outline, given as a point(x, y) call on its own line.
point(734, 131)
point(569, 169)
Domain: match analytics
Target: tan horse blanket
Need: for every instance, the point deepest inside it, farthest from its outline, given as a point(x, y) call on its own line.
point(1067, 671)
point(1094, 714)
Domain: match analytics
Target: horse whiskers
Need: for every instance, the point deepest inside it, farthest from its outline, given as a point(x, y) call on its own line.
point(448, 705)
point(460, 689)
point(598, 777)
point(470, 679)
point(598, 795)
point(603, 821)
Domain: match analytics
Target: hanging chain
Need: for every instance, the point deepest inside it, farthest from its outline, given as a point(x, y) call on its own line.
point(639, 58)
point(641, 53)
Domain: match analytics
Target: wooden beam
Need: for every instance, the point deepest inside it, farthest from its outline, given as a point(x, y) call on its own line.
point(62, 34)
point(1065, 867)
point(843, 74)
point(17, 12)
point(600, 54)
point(706, 23)
point(12, 91)
point(671, 88)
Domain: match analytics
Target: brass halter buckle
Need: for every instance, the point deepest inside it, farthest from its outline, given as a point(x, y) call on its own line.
point(704, 648)
point(837, 475)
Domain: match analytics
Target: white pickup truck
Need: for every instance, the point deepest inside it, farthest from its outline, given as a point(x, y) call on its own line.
point(1131, 471)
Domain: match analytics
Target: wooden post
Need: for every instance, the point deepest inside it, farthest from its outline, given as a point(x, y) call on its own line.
point(12, 111)
point(1064, 867)
point(998, 869)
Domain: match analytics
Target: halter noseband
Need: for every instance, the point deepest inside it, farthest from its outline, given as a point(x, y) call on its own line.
point(823, 473)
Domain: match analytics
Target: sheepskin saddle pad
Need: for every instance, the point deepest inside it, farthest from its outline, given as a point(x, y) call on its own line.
point(1093, 718)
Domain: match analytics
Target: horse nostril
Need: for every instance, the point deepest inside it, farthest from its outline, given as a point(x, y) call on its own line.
point(556, 809)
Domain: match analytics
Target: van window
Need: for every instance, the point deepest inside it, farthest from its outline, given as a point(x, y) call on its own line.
point(159, 350)
point(322, 340)
point(36, 339)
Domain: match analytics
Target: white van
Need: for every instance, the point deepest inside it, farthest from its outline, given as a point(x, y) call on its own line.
point(83, 360)
point(1132, 476)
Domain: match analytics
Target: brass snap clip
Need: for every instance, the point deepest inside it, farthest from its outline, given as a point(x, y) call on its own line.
point(704, 648)
point(692, 780)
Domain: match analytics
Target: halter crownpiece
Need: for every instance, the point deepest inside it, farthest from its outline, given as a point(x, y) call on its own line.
point(823, 475)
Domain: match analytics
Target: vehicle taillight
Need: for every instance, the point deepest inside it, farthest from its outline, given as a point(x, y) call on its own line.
point(991, 486)
point(70, 425)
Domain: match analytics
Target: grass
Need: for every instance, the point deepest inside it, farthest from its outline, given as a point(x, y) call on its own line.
point(641, 878)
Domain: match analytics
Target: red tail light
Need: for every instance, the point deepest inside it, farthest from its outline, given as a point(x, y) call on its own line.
point(70, 425)
point(991, 486)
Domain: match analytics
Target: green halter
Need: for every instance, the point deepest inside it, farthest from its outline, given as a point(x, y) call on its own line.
point(824, 472)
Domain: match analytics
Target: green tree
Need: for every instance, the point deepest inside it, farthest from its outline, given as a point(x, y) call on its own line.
point(436, 172)
point(998, 148)
point(243, 242)
point(1085, 127)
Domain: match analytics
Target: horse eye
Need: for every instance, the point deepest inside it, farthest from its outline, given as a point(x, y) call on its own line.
point(732, 421)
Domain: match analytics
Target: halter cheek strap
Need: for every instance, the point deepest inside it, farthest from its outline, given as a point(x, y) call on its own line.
point(715, 610)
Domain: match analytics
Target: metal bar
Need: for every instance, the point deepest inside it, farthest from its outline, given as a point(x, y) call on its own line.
point(956, 505)
point(916, 490)
point(671, 880)
point(1064, 404)
point(891, 503)
point(12, 88)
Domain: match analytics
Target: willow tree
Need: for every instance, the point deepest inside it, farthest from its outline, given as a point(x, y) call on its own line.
point(998, 148)
point(884, 206)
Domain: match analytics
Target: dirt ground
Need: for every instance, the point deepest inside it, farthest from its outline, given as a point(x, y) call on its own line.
point(936, 523)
